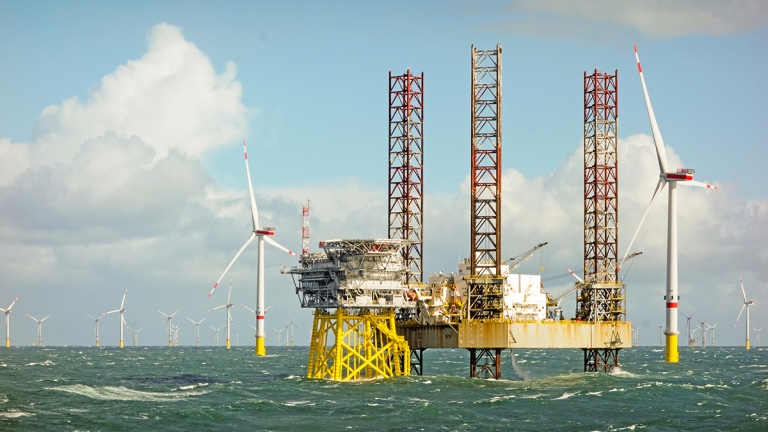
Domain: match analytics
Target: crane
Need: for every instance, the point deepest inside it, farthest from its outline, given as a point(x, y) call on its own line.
point(517, 261)
point(555, 302)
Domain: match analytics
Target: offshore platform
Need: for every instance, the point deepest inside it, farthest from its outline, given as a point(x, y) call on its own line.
point(374, 312)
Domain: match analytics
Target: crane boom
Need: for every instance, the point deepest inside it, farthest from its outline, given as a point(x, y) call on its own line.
point(556, 300)
point(517, 261)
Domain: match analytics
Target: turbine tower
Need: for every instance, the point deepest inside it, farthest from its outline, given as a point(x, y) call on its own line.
point(8, 323)
point(688, 330)
point(229, 315)
point(96, 328)
point(747, 304)
point(169, 325)
point(263, 235)
point(122, 320)
point(757, 330)
point(682, 176)
point(39, 329)
point(197, 330)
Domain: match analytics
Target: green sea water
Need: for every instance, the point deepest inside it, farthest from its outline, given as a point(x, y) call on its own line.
point(207, 388)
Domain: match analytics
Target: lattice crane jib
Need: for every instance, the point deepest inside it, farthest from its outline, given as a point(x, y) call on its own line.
point(406, 168)
point(485, 200)
point(602, 297)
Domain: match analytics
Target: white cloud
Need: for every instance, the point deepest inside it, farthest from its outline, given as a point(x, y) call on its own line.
point(171, 98)
point(653, 18)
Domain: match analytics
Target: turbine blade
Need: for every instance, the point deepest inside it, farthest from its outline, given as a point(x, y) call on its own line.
point(11, 306)
point(659, 187)
point(161, 312)
point(254, 209)
point(740, 312)
point(279, 246)
point(657, 140)
point(230, 291)
point(252, 311)
point(92, 317)
point(574, 275)
point(32, 317)
point(697, 184)
point(217, 307)
point(45, 318)
point(191, 320)
point(742, 290)
point(247, 242)
point(174, 313)
point(122, 303)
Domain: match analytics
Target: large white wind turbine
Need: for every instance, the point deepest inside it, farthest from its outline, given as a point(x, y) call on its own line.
point(169, 325)
point(39, 328)
point(122, 320)
point(747, 304)
point(8, 323)
point(229, 315)
point(197, 330)
point(666, 177)
point(263, 235)
point(96, 329)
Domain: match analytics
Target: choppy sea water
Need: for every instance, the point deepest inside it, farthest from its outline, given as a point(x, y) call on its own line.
point(183, 388)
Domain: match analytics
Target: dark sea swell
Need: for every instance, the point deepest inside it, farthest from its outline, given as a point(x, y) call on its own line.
point(86, 388)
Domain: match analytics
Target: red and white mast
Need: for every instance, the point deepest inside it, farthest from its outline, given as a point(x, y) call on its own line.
point(305, 230)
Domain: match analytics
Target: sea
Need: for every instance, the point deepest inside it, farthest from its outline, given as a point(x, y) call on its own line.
point(211, 388)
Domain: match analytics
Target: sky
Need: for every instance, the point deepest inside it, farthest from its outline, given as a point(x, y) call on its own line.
point(121, 129)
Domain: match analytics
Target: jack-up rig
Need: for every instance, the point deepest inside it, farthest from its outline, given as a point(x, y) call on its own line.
point(374, 313)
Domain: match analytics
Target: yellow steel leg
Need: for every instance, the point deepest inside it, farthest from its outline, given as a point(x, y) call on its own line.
point(121, 343)
point(7, 342)
point(671, 353)
point(747, 343)
point(228, 344)
point(261, 350)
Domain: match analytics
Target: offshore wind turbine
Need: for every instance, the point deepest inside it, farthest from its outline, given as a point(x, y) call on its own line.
point(39, 328)
point(278, 334)
point(197, 330)
point(136, 337)
point(8, 323)
point(712, 335)
point(176, 334)
point(682, 176)
point(660, 338)
point(688, 327)
point(758, 335)
point(263, 234)
point(217, 333)
point(122, 320)
point(169, 325)
point(237, 337)
point(229, 315)
point(96, 329)
point(747, 304)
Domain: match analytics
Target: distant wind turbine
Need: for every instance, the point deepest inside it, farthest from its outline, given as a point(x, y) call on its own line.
point(227, 305)
point(39, 328)
point(197, 330)
point(747, 304)
point(169, 325)
point(122, 320)
point(96, 328)
point(758, 335)
point(217, 333)
point(8, 323)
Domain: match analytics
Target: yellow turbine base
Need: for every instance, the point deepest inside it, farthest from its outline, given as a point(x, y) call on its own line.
point(671, 354)
point(747, 343)
point(261, 350)
point(357, 346)
point(228, 344)
point(121, 343)
point(7, 342)
point(97, 344)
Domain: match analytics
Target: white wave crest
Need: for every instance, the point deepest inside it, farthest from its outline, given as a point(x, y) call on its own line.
point(566, 396)
point(124, 393)
point(14, 414)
